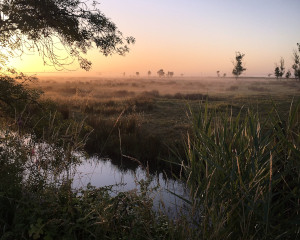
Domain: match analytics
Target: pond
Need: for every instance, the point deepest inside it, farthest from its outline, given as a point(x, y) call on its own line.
point(167, 193)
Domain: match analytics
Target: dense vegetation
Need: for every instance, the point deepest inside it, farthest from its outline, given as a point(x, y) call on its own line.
point(245, 175)
point(140, 111)
point(241, 166)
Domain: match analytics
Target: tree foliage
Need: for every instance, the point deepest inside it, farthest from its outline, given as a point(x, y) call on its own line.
point(170, 74)
point(288, 74)
point(238, 65)
point(279, 70)
point(16, 94)
point(296, 65)
point(44, 26)
point(161, 73)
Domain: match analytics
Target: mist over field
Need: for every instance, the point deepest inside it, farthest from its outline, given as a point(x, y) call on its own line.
point(111, 87)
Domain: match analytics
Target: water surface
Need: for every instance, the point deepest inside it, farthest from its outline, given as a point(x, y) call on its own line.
point(101, 172)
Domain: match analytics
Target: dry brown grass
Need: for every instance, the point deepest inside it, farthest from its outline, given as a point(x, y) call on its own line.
point(99, 89)
point(153, 118)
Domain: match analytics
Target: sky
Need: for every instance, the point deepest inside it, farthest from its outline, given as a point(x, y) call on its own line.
point(193, 37)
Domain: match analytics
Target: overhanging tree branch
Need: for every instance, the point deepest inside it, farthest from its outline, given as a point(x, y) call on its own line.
point(74, 24)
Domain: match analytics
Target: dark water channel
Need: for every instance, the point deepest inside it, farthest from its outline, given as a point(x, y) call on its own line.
point(167, 193)
point(102, 172)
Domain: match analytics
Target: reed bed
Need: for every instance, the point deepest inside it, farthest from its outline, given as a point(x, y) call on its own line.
point(244, 174)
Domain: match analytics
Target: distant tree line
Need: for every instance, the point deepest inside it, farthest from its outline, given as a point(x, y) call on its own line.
point(280, 68)
point(161, 73)
point(219, 74)
point(239, 67)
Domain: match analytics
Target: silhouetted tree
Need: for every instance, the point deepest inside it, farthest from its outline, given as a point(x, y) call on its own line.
point(288, 74)
point(296, 65)
point(282, 68)
point(224, 75)
point(170, 74)
point(161, 73)
point(279, 70)
point(137, 74)
point(149, 73)
point(238, 65)
point(218, 73)
point(45, 25)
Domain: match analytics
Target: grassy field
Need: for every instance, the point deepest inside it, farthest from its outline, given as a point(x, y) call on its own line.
point(146, 118)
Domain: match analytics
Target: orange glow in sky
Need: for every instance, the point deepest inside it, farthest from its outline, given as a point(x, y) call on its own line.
point(194, 38)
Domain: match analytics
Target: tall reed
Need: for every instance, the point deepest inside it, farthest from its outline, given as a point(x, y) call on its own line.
point(244, 173)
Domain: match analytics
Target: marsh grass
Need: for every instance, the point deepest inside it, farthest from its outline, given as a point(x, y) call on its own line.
point(244, 173)
point(153, 119)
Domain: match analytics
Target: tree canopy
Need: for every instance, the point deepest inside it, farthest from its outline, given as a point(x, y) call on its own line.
point(46, 25)
point(296, 65)
point(161, 73)
point(238, 65)
point(279, 70)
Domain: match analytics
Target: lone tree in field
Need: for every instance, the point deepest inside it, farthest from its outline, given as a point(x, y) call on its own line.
point(288, 74)
point(279, 70)
point(149, 73)
point(170, 74)
point(296, 65)
point(43, 26)
point(137, 74)
point(161, 73)
point(218, 73)
point(238, 65)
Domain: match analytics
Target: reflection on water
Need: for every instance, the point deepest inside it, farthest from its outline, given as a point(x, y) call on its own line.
point(101, 172)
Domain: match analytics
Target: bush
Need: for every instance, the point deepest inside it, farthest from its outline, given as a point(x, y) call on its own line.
point(15, 94)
